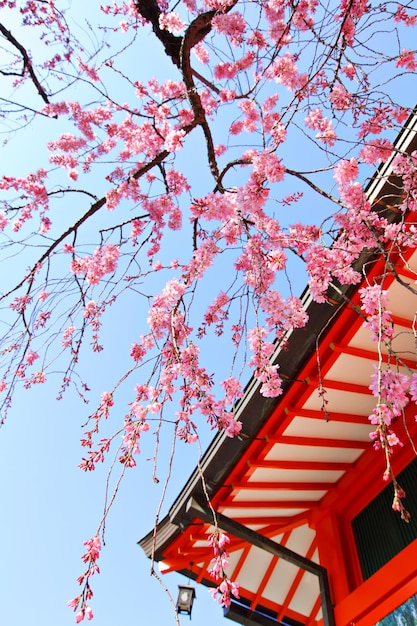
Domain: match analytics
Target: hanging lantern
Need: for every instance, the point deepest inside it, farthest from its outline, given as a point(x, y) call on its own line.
point(186, 595)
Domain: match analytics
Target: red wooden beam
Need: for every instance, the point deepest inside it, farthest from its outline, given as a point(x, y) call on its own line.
point(275, 529)
point(203, 571)
point(241, 562)
point(402, 321)
point(379, 588)
point(313, 615)
point(407, 273)
point(332, 417)
point(341, 385)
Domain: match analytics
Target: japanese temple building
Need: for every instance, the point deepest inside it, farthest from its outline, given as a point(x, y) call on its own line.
point(314, 539)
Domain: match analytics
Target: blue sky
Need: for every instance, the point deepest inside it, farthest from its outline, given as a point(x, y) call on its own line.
point(49, 506)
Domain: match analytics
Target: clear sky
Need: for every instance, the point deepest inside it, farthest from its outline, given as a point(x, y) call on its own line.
point(49, 506)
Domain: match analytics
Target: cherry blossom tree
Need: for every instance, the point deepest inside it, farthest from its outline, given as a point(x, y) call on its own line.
point(189, 162)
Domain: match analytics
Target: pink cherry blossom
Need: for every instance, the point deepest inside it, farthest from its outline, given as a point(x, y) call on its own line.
point(171, 22)
point(103, 261)
point(376, 151)
point(201, 53)
point(379, 320)
point(317, 121)
point(340, 98)
point(43, 296)
point(4, 221)
point(231, 24)
point(285, 71)
point(174, 140)
point(407, 60)
point(31, 356)
point(67, 336)
point(346, 172)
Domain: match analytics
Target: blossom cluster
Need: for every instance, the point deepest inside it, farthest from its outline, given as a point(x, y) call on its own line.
point(317, 121)
point(379, 318)
point(103, 261)
point(79, 603)
point(218, 566)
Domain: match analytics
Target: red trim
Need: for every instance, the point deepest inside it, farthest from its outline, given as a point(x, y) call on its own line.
point(359, 486)
point(390, 604)
point(313, 615)
point(349, 418)
point(281, 522)
point(401, 321)
point(331, 554)
point(241, 562)
point(381, 593)
point(343, 386)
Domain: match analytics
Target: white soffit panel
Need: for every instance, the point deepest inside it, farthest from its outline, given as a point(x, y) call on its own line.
point(306, 594)
point(234, 558)
point(282, 451)
point(252, 512)
point(402, 301)
point(249, 495)
point(310, 427)
point(280, 582)
point(253, 570)
point(280, 475)
point(341, 402)
point(403, 337)
point(352, 369)
point(301, 539)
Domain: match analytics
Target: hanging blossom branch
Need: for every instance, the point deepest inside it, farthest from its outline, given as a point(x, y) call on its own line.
point(391, 388)
point(217, 540)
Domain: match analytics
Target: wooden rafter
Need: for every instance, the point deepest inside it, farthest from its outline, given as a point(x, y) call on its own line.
point(370, 354)
point(334, 416)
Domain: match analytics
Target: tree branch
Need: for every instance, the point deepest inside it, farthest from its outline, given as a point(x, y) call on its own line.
point(150, 10)
point(27, 63)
